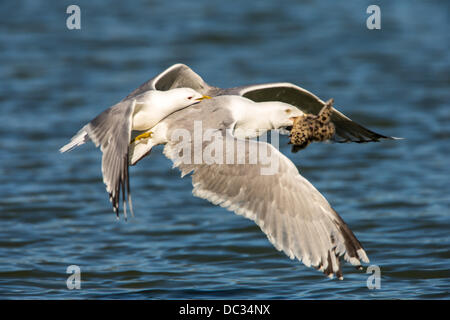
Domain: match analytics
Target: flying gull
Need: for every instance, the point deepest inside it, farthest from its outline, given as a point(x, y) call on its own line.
point(111, 130)
point(296, 218)
point(180, 75)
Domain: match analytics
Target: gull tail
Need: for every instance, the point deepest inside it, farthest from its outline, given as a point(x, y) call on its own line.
point(77, 140)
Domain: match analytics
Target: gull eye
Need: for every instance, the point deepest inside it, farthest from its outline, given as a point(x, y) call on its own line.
point(190, 98)
point(288, 111)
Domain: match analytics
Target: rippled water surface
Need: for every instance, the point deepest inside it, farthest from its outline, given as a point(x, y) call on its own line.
point(54, 208)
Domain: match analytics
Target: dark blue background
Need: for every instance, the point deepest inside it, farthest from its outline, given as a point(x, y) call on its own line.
point(55, 212)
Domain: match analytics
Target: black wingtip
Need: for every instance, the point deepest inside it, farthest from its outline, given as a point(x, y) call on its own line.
point(370, 136)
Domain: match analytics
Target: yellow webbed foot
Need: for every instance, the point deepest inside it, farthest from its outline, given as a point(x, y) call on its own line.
point(144, 135)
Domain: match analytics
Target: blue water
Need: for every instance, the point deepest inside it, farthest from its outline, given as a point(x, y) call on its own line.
point(54, 208)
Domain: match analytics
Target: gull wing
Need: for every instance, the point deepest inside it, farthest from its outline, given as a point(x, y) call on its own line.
point(176, 76)
point(111, 130)
point(346, 129)
point(296, 218)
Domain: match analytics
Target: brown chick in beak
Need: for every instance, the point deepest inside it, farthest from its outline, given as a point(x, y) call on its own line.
point(309, 128)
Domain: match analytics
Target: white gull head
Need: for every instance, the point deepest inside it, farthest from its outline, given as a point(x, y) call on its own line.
point(154, 105)
point(255, 118)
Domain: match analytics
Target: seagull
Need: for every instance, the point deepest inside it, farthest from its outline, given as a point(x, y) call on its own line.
point(180, 75)
point(111, 130)
point(293, 214)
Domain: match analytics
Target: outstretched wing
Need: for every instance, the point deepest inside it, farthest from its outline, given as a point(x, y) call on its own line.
point(111, 130)
point(346, 129)
point(176, 76)
point(180, 75)
point(296, 218)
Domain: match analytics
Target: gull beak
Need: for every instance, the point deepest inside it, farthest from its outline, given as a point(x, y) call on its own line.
point(289, 128)
point(293, 119)
point(203, 98)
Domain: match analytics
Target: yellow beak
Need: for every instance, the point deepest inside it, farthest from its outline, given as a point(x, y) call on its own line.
point(203, 98)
